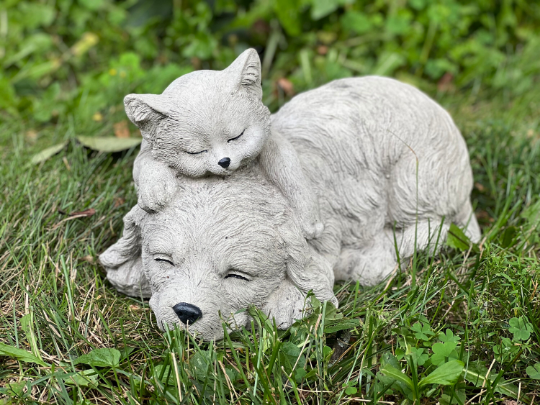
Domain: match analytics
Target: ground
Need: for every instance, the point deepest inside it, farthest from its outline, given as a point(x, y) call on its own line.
point(462, 327)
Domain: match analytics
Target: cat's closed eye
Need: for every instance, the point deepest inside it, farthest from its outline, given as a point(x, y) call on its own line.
point(196, 153)
point(236, 137)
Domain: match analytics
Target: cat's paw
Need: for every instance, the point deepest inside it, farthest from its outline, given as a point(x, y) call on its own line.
point(312, 229)
point(156, 190)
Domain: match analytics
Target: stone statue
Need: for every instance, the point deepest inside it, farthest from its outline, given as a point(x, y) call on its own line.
point(386, 164)
point(212, 123)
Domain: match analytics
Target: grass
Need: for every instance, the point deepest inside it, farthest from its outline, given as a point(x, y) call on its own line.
point(478, 306)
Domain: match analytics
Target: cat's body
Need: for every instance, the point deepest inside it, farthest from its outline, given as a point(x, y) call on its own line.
point(212, 123)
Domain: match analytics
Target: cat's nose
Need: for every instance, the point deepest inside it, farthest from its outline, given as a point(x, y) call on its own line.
point(187, 312)
point(225, 162)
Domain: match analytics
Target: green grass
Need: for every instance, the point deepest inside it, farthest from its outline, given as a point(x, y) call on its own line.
point(483, 303)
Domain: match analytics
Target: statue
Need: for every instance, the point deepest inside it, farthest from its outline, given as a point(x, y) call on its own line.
point(380, 163)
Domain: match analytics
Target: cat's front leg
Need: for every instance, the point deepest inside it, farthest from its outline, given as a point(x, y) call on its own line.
point(282, 166)
point(156, 185)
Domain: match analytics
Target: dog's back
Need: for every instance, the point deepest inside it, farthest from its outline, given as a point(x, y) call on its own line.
point(381, 154)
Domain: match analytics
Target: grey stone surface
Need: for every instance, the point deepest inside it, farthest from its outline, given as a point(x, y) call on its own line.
point(376, 161)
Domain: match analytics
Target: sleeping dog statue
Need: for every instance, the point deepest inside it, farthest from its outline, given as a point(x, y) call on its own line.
point(389, 171)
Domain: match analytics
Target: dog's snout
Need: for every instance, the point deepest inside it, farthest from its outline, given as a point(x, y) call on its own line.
point(225, 162)
point(187, 312)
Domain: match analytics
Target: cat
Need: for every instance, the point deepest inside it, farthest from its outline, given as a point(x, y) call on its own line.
point(212, 123)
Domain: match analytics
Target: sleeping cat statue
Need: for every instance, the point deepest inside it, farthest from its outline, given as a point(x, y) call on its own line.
point(389, 168)
point(213, 123)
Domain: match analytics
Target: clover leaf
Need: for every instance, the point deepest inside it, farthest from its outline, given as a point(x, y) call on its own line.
point(534, 371)
point(419, 356)
point(422, 330)
point(442, 351)
point(520, 328)
point(449, 337)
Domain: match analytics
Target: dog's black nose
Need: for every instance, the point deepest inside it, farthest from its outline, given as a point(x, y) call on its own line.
point(187, 312)
point(225, 162)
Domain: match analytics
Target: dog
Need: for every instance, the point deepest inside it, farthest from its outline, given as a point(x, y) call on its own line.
point(391, 172)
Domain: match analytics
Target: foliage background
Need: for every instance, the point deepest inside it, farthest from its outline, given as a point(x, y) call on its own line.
point(80, 57)
point(67, 337)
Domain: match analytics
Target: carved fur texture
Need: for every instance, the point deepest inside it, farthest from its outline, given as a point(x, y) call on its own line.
point(388, 166)
point(212, 123)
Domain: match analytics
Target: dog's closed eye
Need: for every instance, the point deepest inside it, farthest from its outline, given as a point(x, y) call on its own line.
point(196, 153)
point(164, 260)
point(236, 274)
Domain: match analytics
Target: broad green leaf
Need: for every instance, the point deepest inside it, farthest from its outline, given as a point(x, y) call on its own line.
point(109, 144)
point(299, 373)
point(104, 357)
point(356, 21)
point(396, 374)
point(351, 390)
point(476, 374)
point(288, 13)
point(532, 214)
point(20, 354)
point(27, 324)
point(508, 236)
point(321, 8)
point(447, 374)
point(200, 362)
point(16, 388)
point(47, 153)
point(534, 371)
point(165, 374)
point(457, 239)
point(85, 378)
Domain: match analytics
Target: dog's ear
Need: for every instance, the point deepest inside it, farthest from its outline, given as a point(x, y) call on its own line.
point(146, 111)
point(123, 262)
point(306, 268)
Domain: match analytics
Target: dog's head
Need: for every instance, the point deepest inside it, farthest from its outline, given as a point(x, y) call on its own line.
point(220, 246)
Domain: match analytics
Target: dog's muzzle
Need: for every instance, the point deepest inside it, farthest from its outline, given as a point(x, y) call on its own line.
point(187, 312)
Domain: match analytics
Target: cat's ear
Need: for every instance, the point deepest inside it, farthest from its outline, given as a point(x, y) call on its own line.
point(146, 111)
point(246, 73)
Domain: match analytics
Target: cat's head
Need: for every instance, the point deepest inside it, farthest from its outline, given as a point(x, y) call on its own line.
point(206, 121)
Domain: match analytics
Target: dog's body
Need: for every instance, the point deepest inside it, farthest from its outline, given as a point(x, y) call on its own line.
point(384, 160)
point(387, 164)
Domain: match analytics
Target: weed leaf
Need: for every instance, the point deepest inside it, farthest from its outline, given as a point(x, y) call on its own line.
point(20, 354)
point(447, 374)
point(47, 153)
point(457, 239)
point(108, 144)
point(476, 374)
point(448, 336)
point(397, 375)
point(441, 351)
point(422, 330)
point(104, 357)
point(534, 371)
point(520, 328)
point(85, 378)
